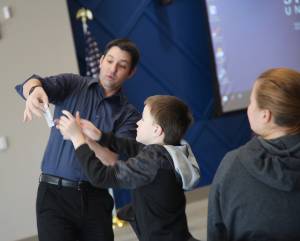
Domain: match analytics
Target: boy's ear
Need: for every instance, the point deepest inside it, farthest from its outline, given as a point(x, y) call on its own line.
point(158, 131)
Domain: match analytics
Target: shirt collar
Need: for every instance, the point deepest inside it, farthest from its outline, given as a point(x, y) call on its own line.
point(119, 95)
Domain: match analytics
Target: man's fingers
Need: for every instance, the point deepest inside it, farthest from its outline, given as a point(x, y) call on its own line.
point(36, 103)
point(45, 100)
point(36, 112)
point(27, 116)
point(35, 107)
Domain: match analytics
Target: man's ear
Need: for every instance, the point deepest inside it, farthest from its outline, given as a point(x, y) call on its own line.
point(131, 73)
point(101, 60)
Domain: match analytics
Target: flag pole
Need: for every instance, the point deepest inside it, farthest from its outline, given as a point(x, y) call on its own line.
point(84, 14)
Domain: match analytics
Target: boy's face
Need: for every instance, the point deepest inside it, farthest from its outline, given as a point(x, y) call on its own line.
point(146, 128)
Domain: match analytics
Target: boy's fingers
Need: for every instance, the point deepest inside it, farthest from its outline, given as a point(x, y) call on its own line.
point(63, 120)
point(77, 117)
point(68, 114)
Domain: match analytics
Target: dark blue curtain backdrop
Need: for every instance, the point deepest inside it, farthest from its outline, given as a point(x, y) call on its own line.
point(175, 60)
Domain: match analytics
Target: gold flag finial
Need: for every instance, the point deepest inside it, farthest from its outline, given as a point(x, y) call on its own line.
point(84, 14)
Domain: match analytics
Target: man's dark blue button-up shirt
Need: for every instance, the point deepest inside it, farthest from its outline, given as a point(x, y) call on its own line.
point(84, 94)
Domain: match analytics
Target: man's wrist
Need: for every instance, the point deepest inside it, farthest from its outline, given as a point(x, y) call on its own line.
point(31, 82)
point(33, 88)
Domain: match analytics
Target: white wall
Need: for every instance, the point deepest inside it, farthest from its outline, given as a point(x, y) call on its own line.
point(37, 39)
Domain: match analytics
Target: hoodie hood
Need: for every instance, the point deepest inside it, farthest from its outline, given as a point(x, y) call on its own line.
point(275, 162)
point(185, 164)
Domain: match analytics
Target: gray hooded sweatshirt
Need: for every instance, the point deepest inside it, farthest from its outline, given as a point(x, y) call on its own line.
point(255, 193)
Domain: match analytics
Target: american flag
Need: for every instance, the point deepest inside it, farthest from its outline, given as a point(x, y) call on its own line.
point(92, 54)
point(92, 57)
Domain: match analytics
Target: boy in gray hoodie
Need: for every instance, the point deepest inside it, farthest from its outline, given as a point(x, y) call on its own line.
point(158, 169)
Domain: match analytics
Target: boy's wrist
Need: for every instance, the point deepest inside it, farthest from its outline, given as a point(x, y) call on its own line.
point(99, 135)
point(78, 140)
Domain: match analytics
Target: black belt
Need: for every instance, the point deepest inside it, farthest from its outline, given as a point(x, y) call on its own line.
point(62, 182)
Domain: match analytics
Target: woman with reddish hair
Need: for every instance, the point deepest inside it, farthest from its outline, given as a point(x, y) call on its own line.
point(255, 194)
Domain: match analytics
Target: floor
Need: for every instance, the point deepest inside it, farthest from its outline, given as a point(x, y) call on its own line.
point(196, 211)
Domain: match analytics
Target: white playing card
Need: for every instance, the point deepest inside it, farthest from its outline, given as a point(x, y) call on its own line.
point(48, 116)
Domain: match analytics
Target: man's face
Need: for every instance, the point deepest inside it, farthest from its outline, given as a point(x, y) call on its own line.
point(146, 128)
point(115, 68)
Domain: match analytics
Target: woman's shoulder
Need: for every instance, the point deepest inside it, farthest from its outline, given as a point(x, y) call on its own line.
point(232, 160)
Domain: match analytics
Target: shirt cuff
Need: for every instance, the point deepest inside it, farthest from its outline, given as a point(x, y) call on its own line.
point(105, 138)
point(19, 88)
point(83, 151)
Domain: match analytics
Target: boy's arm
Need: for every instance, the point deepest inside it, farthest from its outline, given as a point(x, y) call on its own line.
point(103, 153)
point(125, 146)
point(135, 172)
point(125, 129)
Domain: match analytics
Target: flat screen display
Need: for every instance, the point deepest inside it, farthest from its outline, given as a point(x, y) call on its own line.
point(249, 37)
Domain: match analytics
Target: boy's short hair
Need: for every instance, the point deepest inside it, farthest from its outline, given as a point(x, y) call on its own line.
point(125, 45)
point(172, 114)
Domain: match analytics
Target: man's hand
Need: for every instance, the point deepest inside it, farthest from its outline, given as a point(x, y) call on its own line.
point(35, 103)
point(90, 130)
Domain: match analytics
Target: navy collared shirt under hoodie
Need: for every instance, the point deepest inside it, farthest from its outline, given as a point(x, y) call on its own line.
point(84, 94)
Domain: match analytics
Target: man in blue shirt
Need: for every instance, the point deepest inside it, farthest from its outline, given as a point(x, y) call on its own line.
point(68, 207)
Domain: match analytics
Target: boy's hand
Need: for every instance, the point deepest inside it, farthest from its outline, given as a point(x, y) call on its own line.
point(91, 131)
point(69, 127)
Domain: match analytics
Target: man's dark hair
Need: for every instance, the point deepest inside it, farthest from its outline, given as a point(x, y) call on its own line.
point(128, 46)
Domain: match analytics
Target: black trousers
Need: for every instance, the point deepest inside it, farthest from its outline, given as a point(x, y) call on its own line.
point(69, 214)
